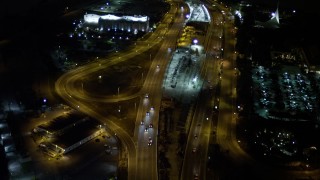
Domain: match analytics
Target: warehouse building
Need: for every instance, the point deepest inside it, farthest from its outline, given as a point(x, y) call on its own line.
point(60, 124)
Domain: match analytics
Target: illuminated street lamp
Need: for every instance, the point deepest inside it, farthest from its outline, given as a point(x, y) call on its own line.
point(195, 41)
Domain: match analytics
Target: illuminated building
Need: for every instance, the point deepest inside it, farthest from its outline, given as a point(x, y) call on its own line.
point(113, 22)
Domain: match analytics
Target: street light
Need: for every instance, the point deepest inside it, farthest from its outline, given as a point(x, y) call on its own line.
point(195, 41)
point(142, 77)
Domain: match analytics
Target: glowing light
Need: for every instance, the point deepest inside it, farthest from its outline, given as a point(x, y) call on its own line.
point(195, 41)
point(91, 18)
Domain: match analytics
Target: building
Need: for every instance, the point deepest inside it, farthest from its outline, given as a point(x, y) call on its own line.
point(74, 137)
point(60, 124)
point(112, 22)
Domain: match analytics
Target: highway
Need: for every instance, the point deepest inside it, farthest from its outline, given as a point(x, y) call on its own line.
point(196, 153)
point(195, 156)
point(147, 155)
point(219, 46)
point(226, 125)
point(142, 159)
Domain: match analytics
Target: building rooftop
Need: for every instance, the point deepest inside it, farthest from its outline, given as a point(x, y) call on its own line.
point(94, 18)
point(77, 133)
point(62, 122)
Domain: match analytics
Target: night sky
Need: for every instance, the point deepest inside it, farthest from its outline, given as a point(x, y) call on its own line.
point(22, 7)
point(308, 6)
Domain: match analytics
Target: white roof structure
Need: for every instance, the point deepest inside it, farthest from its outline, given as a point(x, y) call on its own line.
point(198, 13)
point(94, 18)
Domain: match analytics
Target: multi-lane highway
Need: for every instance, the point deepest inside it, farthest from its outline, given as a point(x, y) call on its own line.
point(195, 161)
point(219, 67)
point(151, 94)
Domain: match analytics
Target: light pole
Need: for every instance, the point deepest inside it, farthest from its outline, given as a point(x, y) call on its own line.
point(142, 78)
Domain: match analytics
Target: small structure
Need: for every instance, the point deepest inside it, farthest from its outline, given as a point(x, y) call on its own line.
point(74, 137)
point(60, 124)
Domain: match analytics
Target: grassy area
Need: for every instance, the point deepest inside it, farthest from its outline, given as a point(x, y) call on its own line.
point(128, 76)
point(125, 118)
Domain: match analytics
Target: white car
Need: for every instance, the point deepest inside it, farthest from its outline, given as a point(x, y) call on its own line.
point(150, 141)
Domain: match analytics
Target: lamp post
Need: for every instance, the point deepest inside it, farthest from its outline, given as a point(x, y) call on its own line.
point(142, 78)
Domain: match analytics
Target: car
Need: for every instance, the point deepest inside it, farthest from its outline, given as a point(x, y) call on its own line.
point(150, 125)
point(149, 143)
point(216, 108)
point(142, 123)
point(152, 108)
point(147, 95)
point(147, 113)
point(194, 149)
point(146, 130)
point(158, 66)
